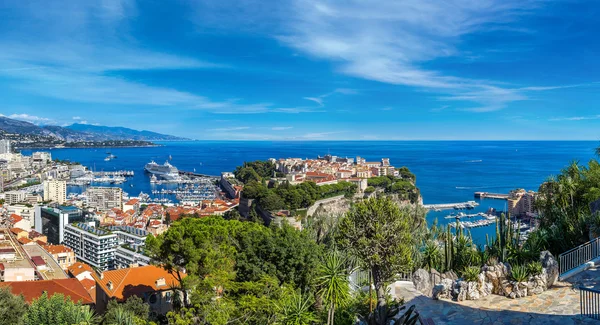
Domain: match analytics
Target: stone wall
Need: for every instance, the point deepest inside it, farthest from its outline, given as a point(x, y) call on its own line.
point(334, 204)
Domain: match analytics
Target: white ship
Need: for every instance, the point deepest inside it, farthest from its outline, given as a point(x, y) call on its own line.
point(166, 171)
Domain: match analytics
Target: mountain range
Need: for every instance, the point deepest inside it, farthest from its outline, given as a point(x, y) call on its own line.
point(79, 132)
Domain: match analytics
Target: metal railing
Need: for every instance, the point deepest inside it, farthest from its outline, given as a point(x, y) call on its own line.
point(589, 302)
point(579, 255)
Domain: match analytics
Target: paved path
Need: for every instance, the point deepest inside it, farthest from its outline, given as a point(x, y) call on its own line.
point(559, 305)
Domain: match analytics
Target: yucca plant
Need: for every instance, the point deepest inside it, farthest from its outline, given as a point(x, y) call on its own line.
point(471, 273)
point(519, 273)
point(535, 268)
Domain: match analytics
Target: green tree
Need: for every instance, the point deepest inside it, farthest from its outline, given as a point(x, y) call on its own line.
point(133, 304)
point(333, 283)
point(379, 234)
point(12, 308)
point(58, 310)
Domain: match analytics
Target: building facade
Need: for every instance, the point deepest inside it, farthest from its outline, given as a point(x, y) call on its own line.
point(105, 198)
point(92, 245)
point(51, 221)
point(5, 146)
point(55, 191)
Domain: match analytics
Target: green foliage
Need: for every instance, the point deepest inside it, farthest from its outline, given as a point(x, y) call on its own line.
point(235, 270)
point(471, 273)
point(564, 205)
point(403, 187)
point(58, 310)
point(369, 189)
point(12, 308)
point(380, 235)
point(255, 170)
point(133, 305)
point(534, 268)
point(432, 255)
point(295, 309)
point(333, 283)
point(519, 273)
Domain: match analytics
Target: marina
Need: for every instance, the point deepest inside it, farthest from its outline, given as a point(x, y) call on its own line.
point(449, 206)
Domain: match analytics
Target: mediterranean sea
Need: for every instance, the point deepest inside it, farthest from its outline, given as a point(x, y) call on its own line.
point(447, 171)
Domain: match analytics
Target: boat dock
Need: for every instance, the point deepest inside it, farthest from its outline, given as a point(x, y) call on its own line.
point(121, 173)
point(474, 224)
point(463, 215)
point(450, 206)
point(194, 174)
point(486, 195)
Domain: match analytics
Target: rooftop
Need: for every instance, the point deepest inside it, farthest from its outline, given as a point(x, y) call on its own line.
point(32, 290)
point(78, 268)
point(56, 249)
point(134, 281)
point(98, 231)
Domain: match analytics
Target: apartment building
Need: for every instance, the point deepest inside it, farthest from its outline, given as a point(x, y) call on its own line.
point(5, 146)
point(55, 191)
point(51, 221)
point(521, 203)
point(14, 197)
point(92, 245)
point(105, 198)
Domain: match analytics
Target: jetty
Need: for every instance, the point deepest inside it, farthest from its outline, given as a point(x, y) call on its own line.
point(474, 224)
point(119, 173)
point(449, 206)
point(487, 195)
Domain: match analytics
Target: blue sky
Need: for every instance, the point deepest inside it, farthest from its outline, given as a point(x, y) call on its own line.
point(307, 70)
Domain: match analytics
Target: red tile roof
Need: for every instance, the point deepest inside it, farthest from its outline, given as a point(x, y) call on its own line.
point(14, 218)
point(56, 249)
point(77, 268)
point(132, 202)
point(16, 231)
point(134, 281)
point(34, 289)
point(24, 240)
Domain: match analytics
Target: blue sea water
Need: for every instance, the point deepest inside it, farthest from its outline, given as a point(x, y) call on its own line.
point(447, 171)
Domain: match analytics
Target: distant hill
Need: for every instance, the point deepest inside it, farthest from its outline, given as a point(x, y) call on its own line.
point(118, 133)
point(76, 132)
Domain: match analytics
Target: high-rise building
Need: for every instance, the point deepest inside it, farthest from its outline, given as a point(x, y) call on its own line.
point(104, 198)
point(521, 203)
point(55, 191)
point(14, 197)
point(51, 221)
point(5, 146)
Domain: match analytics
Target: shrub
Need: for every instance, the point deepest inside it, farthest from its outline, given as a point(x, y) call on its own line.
point(519, 273)
point(493, 260)
point(471, 273)
point(534, 268)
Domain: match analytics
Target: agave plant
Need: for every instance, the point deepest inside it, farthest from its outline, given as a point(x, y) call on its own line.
point(471, 273)
point(519, 273)
point(535, 268)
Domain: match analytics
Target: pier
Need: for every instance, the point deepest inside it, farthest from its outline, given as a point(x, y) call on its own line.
point(194, 174)
point(121, 173)
point(496, 196)
point(450, 206)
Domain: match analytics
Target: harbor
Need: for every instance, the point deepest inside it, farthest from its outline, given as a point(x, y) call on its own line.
point(452, 206)
point(495, 196)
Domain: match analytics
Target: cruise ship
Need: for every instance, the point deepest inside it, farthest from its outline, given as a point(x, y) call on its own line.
point(166, 171)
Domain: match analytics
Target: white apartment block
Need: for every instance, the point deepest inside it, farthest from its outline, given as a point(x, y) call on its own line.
point(14, 197)
point(55, 191)
point(94, 246)
point(104, 198)
point(5, 146)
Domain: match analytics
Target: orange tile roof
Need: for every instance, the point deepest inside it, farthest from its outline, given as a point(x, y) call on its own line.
point(56, 249)
point(77, 268)
point(24, 240)
point(16, 231)
point(14, 218)
point(33, 289)
point(134, 281)
point(132, 202)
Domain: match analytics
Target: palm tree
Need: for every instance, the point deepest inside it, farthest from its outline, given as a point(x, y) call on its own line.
point(333, 282)
point(123, 317)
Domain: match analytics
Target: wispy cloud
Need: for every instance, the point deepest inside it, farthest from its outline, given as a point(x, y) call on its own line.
point(317, 100)
point(38, 120)
point(76, 51)
point(576, 118)
point(281, 128)
point(229, 129)
point(387, 108)
point(320, 99)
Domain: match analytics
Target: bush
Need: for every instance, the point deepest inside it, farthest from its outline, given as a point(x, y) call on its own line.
point(519, 273)
point(471, 273)
point(369, 189)
point(535, 268)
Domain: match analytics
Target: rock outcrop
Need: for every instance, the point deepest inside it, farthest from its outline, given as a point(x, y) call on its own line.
point(422, 282)
point(550, 266)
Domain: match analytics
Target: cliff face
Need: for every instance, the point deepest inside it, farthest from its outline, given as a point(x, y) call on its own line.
point(336, 206)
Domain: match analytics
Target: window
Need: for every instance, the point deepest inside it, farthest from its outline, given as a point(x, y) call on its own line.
point(168, 296)
point(153, 298)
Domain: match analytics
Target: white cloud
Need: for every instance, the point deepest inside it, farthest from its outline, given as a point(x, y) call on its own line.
point(576, 118)
point(317, 100)
point(281, 128)
point(31, 118)
point(228, 129)
point(77, 118)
